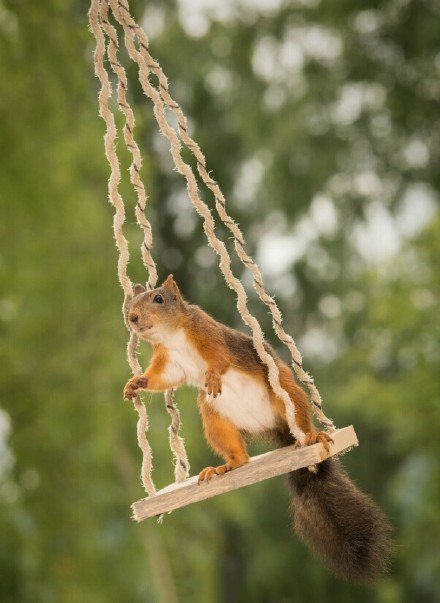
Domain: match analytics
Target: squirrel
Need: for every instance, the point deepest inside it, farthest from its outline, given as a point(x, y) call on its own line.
point(341, 524)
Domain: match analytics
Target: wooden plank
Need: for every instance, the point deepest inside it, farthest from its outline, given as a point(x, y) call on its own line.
point(261, 467)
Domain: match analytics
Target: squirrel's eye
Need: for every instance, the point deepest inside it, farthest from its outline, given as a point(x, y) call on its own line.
point(158, 299)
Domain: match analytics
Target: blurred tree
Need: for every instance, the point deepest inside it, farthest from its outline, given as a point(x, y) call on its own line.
point(320, 122)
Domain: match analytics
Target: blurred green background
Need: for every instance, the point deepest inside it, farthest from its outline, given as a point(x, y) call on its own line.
point(320, 120)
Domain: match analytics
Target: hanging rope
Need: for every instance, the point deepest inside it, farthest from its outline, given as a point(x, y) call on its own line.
point(181, 464)
point(121, 242)
point(132, 146)
point(176, 442)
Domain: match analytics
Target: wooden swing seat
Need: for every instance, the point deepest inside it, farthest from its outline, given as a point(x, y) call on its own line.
point(259, 468)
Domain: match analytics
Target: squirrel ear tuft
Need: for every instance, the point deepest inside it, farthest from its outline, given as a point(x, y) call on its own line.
point(171, 285)
point(137, 289)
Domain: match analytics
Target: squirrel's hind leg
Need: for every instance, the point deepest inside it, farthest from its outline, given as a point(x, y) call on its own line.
point(224, 437)
point(302, 411)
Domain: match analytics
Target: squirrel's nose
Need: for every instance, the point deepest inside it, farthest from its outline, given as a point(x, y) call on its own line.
point(134, 317)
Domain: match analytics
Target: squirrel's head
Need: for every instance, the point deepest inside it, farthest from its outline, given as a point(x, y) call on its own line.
point(152, 313)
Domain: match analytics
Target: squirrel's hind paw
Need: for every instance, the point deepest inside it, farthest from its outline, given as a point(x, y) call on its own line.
point(315, 437)
point(206, 474)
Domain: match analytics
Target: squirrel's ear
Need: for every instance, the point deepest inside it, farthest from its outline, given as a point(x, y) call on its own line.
point(171, 285)
point(137, 289)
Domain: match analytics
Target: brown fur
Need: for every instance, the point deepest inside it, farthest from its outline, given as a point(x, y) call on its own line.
point(223, 437)
point(340, 523)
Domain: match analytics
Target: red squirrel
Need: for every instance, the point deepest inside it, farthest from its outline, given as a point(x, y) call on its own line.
point(340, 523)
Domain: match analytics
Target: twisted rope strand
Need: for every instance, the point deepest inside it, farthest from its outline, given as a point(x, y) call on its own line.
point(121, 242)
point(131, 144)
point(122, 15)
point(220, 204)
point(177, 445)
point(176, 442)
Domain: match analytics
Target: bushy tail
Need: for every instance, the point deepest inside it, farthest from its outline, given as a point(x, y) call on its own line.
point(340, 524)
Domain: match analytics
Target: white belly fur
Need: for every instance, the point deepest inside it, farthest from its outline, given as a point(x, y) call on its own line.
point(184, 363)
point(243, 400)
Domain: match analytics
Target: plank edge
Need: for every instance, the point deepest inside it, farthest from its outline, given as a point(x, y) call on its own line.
point(345, 440)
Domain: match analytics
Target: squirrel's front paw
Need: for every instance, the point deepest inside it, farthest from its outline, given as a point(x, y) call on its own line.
point(213, 383)
point(135, 383)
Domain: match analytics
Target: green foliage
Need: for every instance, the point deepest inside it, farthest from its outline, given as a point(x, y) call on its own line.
point(320, 122)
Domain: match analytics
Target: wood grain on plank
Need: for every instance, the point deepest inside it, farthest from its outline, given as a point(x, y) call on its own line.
point(261, 467)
